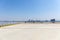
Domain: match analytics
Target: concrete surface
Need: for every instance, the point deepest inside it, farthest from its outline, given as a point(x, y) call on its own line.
point(30, 32)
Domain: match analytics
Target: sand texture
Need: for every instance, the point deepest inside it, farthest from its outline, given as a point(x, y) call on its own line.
point(30, 32)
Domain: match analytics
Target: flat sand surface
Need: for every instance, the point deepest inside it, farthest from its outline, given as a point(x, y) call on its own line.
point(30, 31)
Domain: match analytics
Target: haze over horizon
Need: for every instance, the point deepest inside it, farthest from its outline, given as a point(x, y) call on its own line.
point(29, 9)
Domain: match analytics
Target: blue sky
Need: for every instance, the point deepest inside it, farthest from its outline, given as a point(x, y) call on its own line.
point(29, 9)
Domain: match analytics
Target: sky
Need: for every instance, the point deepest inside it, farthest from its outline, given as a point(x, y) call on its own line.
point(29, 9)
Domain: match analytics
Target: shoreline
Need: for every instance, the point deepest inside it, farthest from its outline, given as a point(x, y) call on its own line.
point(29, 23)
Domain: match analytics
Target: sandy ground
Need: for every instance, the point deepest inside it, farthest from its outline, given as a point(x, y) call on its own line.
point(30, 32)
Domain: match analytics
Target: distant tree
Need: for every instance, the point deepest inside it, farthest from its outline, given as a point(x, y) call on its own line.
point(37, 21)
point(53, 20)
point(29, 20)
point(33, 21)
point(25, 21)
point(46, 20)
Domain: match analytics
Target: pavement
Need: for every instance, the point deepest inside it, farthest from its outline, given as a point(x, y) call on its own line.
point(30, 32)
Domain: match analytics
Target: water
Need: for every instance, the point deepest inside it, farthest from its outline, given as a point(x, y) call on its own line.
point(3, 23)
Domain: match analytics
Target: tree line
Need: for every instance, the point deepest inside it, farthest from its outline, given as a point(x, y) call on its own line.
point(51, 20)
